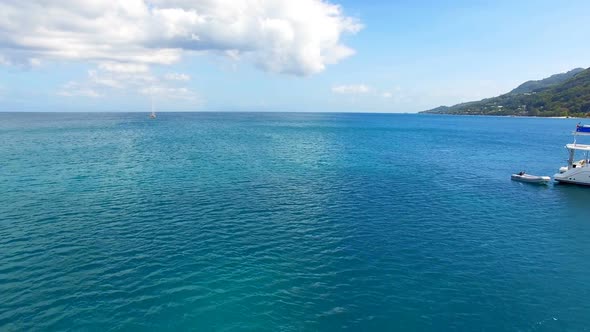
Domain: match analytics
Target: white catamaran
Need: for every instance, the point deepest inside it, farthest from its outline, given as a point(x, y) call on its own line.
point(576, 172)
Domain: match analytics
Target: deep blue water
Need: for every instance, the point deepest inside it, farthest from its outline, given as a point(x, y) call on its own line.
point(289, 222)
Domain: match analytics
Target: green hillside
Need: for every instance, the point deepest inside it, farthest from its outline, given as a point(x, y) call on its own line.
point(564, 98)
point(531, 86)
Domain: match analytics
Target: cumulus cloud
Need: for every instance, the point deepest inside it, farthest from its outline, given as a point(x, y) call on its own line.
point(297, 37)
point(177, 77)
point(75, 89)
point(121, 67)
point(361, 90)
point(169, 92)
point(354, 89)
point(107, 80)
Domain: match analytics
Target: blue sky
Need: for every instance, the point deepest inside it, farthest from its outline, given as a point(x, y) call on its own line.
point(363, 56)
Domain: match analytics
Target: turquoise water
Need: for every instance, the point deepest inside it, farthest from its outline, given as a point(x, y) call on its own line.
point(289, 222)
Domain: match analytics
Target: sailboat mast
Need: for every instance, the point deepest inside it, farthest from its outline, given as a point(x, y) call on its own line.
point(152, 97)
point(153, 114)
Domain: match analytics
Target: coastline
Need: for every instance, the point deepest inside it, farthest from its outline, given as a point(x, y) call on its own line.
point(505, 116)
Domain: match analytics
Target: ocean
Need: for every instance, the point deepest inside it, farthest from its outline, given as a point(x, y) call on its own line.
point(289, 222)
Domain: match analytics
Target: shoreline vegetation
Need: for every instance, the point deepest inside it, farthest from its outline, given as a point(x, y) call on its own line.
point(508, 116)
point(565, 95)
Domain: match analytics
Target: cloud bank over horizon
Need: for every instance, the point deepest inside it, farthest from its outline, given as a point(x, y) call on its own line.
point(287, 37)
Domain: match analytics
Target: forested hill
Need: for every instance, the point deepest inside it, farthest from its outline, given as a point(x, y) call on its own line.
point(566, 94)
point(530, 86)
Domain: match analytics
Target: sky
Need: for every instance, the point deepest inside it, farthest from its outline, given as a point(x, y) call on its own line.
point(280, 55)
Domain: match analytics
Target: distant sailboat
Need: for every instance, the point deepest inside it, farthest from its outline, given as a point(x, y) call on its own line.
point(153, 114)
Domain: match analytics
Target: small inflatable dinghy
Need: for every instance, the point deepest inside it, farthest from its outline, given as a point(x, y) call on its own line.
point(529, 178)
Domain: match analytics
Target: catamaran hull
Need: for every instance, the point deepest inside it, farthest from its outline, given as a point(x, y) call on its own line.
point(572, 182)
point(574, 176)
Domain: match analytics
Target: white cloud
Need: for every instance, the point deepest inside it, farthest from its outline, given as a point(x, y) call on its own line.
point(168, 92)
point(127, 68)
point(362, 89)
point(355, 89)
point(97, 79)
point(75, 89)
point(120, 78)
point(34, 62)
point(177, 77)
point(107, 80)
point(297, 37)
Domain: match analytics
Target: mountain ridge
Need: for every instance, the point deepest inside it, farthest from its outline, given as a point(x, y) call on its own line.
point(564, 94)
point(535, 85)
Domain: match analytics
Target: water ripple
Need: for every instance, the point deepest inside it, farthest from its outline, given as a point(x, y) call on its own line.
point(287, 222)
